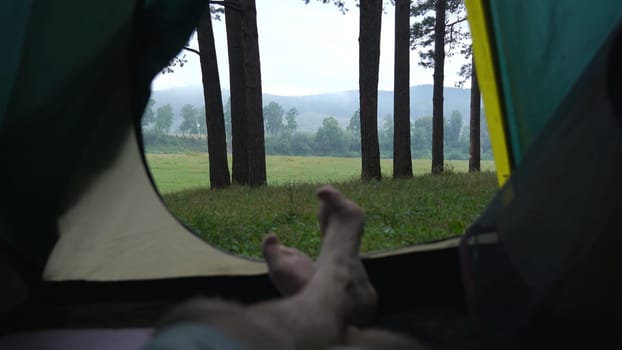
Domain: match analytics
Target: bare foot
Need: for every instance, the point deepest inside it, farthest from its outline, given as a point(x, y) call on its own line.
point(289, 269)
point(341, 227)
point(329, 296)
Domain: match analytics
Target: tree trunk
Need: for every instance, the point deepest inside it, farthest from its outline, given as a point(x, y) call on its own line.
point(237, 81)
point(474, 137)
point(437, 98)
point(369, 60)
point(214, 115)
point(254, 113)
point(402, 162)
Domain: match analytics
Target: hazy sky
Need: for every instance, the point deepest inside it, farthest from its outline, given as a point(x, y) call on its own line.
point(307, 49)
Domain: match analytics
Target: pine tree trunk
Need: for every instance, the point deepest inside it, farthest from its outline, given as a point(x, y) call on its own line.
point(402, 162)
point(254, 112)
point(437, 97)
point(237, 81)
point(474, 126)
point(214, 115)
point(369, 60)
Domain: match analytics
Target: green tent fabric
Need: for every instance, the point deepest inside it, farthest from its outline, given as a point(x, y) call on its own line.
point(542, 263)
point(542, 49)
point(70, 68)
point(558, 81)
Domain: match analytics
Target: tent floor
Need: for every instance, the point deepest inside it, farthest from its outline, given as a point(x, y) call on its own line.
point(420, 294)
point(437, 326)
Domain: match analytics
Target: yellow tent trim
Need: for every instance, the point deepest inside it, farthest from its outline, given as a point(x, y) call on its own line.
point(488, 84)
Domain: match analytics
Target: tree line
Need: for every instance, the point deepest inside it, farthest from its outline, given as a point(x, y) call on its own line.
point(282, 136)
point(436, 33)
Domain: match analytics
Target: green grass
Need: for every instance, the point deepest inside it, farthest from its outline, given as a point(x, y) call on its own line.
point(176, 172)
point(398, 212)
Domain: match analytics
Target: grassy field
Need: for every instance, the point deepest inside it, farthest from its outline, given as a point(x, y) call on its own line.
point(398, 212)
point(176, 172)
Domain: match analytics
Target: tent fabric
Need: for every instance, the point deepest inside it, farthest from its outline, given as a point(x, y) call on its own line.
point(136, 237)
point(572, 161)
point(491, 281)
point(555, 274)
point(481, 33)
point(529, 54)
point(543, 47)
point(420, 294)
point(77, 76)
point(58, 94)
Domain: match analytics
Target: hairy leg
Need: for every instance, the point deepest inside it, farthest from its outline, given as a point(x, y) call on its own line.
point(338, 291)
point(317, 316)
point(290, 270)
point(341, 227)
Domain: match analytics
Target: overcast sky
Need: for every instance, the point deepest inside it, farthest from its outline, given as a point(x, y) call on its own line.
point(307, 49)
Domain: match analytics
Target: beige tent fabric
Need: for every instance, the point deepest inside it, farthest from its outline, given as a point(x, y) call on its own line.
point(120, 230)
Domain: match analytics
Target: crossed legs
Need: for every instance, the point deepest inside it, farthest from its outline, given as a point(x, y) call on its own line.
point(321, 299)
point(290, 270)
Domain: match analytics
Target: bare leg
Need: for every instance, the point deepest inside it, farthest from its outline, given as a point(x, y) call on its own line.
point(339, 290)
point(290, 270)
point(341, 227)
point(317, 316)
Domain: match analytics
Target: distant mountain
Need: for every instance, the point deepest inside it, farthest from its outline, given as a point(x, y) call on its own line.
point(314, 108)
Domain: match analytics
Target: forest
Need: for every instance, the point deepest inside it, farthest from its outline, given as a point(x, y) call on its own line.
point(282, 136)
point(250, 129)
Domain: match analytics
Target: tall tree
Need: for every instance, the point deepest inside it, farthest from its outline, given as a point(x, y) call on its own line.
point(402, 162)
point(369, 60)
point(422, 135)
point(474, 125)
point(189, 124)
point(386, 135)
point(467, 71)
point(215, 120)
point(237, 81)
point(436, 34)
point(273, 117)
point(453, 127)
point(354, 126)
point(252, 71)
point(437, 93)
point(163, 119)
point(290, 117)
point(354, 133)
point(329, 139)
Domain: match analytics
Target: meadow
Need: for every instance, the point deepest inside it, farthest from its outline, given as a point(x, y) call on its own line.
point(181, 171)
point(398, 212)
